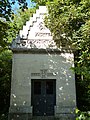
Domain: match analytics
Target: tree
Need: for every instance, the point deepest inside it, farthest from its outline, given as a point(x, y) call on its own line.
point(69, 22)
point(41, 2)
point(11, 28)
point(6, 15)
point(6, 7)
point(5, 79)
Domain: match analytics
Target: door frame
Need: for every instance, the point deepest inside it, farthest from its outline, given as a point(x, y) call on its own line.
point(33, 91)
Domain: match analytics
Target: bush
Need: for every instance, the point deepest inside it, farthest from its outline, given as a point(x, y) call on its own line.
point(82, 115)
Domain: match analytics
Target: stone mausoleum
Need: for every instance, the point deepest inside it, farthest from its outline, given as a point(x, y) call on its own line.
point(43, 84)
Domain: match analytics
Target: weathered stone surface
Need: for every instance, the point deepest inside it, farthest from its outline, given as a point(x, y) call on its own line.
point(29, 66)
point(34, 58)
point(18, 116)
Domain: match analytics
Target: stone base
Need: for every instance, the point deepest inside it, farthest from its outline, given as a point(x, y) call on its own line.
point(66, 117)
point(20, 109)
point(25, 113)
point(24, 116)
point(44, 118)
point(19, 116)
point(29, 117)
point(65, 112)
point(20, 112)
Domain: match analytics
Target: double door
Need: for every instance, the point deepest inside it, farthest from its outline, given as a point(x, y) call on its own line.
point(43, 97)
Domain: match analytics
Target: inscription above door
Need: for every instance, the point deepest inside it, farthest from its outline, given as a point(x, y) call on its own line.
point(43, 74)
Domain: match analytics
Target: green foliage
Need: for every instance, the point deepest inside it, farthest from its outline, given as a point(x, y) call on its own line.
point(82, 115)
point(3, 29)
point(5, 79)
point(6, 17)
point(6, 7)
point(41, 2)
point(17, 23)
point(9, 29)
point(68, 17)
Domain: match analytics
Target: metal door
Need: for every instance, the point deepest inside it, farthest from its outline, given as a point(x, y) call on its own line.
point(43, 97)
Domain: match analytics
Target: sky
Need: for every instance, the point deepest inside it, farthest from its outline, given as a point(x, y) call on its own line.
point(29, 3)
point(16, 6)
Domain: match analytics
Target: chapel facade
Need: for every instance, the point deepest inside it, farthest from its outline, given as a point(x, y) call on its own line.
point(42, 82)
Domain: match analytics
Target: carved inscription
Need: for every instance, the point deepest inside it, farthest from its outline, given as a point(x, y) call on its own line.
point(39, 34)
point(41, 26)
point(35, 74)
point(42, 74)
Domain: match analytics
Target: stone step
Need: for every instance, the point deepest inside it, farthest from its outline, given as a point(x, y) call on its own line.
point(29, 117)
point(24, 32)
point(43, 118)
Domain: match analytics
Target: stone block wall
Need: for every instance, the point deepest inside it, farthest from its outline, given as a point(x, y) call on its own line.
point(29, 66)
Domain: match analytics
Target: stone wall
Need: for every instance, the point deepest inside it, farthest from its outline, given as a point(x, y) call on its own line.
point(42, 66)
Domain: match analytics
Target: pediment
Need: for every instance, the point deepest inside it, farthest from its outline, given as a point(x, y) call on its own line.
point(35, 34)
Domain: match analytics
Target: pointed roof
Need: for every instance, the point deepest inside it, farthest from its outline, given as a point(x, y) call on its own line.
point(35, 34)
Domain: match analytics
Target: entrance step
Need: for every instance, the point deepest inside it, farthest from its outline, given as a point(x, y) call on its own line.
point(44, 118)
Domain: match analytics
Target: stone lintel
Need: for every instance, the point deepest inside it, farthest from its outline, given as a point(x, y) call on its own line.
point(41, 51)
